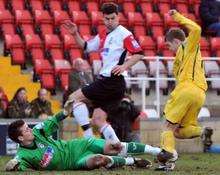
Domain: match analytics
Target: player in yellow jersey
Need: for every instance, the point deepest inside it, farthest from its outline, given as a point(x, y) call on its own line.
point(187, 98)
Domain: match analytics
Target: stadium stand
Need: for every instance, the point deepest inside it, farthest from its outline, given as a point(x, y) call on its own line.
point(31, 29)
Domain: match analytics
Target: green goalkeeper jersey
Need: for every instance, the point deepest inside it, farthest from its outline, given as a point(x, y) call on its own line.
point(49, 154)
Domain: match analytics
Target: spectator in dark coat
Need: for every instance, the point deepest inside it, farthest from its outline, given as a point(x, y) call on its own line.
point(210, 14)
point(19, 107)
point(3, 103)
point(41, 106)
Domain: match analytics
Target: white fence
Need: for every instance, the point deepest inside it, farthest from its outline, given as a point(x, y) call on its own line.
point(135, 80)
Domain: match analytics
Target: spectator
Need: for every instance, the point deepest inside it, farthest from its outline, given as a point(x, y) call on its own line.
point(19, 107)
point(3, 103)
point(210, 14)
point(79, 77)
point(41, 106)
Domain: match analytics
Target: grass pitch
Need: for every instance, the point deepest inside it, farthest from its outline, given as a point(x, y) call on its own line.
point(188, 164)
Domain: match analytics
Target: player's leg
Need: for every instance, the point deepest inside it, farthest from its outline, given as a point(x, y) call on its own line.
point(99, 119)
point(80, 112)
point(189, 127)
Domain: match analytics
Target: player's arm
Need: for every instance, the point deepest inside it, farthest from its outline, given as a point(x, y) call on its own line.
point(50, 125)
point(132, 46)
point(89, 46)
point(193, 29)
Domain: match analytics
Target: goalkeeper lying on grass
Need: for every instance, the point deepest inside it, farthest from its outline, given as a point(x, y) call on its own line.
point(38, 151)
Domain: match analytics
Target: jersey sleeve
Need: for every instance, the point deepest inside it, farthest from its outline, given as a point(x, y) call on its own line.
point(22, 164)
point(93, 44)
point(51, 124)
point(132, 45)
point(194, 31)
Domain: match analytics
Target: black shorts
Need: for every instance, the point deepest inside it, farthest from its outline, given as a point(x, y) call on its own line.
point(105, 90)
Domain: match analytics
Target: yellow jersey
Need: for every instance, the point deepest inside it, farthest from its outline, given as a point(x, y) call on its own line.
point(188, 64)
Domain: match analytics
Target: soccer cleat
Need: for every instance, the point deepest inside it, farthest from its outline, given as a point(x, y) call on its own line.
point(142, 163)
point(206, 138)
point(166, 160)
point(166, 167)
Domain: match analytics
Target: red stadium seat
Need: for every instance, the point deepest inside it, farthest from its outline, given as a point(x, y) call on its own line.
point(161, 44)
point(182, 8)
point(64, 81)
point(75, 53)
point(42, 65)
point(146, 7)
point(101, 28)
point(163, 8)
point(139, 31)
point(42, 17)
point(204, 44)
point(73, 5)
point(59, 16)
point(44, 21)
point(48, 81)
point(6, 22)
point(128, 7)
point(14, 44)
point(147, 43)
point(8, 29)
point(36, 5)
point(92, 6)
point(69, 42)
point(80, 17)
point(17, 4)
point(54, 5)
point(135, 18)
point(122, 20)
point(205, 53)
point(167, 53)
point(61, 66)
point(149, 53)
point(2, 4)
point(84, 29)
point(34, 46)
point(215, 44)
point(24, 20)
point(96, 18)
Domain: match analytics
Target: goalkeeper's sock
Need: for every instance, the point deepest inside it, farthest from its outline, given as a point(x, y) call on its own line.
point(117, 161)
point(109, 133)
point(81, 114)
point(168, 141)
point(189, 132)
point(138, 148)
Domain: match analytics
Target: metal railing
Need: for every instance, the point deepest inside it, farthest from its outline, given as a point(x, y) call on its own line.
point(157, 79)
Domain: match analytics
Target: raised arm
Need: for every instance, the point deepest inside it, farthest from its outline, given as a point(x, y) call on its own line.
point(72, 28)
point(193, 29)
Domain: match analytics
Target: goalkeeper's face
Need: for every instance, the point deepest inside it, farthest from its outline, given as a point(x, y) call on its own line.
point(26, 134)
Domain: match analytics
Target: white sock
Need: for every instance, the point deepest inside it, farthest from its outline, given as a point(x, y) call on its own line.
point(109, 133)
point(152, 150)
point(129, 161)
point(81, 114)
point(124, 149)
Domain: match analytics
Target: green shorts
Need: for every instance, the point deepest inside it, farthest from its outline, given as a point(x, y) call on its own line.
point(95, 146)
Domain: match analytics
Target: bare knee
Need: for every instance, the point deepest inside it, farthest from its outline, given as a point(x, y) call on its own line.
point(171, 127)
point(99, 118)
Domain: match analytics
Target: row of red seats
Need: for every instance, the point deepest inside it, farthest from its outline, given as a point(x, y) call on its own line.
point(43, 23)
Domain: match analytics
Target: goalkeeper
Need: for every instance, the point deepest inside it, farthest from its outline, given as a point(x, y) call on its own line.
point(38, 151)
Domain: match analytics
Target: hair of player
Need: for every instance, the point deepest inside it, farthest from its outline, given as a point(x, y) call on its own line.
point(109, 8)
point(14, 130)
point(175, 33)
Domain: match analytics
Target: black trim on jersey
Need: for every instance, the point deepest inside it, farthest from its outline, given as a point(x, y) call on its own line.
point(180, 70)
point(122, 57)
point(85, 45)
point(194, 64)
point(139, 53)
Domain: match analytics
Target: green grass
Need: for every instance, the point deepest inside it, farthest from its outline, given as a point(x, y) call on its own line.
point(188, 164)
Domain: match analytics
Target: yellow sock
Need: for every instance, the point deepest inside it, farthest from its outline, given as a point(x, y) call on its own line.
point(168, 141)
point(190, 132)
